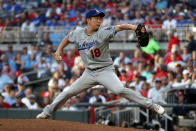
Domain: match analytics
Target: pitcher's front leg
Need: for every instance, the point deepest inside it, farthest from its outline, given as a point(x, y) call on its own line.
point(111, 82)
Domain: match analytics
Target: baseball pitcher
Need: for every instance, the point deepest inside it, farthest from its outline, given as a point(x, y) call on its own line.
point(93, 45)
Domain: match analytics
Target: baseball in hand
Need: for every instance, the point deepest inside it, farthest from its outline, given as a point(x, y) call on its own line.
point(60, 58)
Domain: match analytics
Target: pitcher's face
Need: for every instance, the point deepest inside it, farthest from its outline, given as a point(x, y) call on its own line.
point(95, 22)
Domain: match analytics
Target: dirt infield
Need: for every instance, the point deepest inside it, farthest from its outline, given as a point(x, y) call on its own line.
point(53, 125)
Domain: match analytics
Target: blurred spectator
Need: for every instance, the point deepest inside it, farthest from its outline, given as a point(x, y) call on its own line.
point(60, 82)
point(107, 18)
point(28, 26)
point(152, 46)
point(182, 22)
point(32, 49)
point(69, 59)
point(179, 83)
point(70, 82)
point(18, 61)
point(157, 24)
point(186, 78)
point(162, 71)
point(10, 53)
point(19, 103)
point(174, 62)
point(7, 89)
point(137, 83)
point(130, 70)
point(148, 21)
point(178, 69)
point(138, 19)
point(175, 52)
point(149, 59)
point(140, 68)
point(172, 41)
point(30, 63)
point(38, 53)
point(11, 63)
point(45, 101)
point(83, 97)
point(191, 43)
point(122, 66)
point(154, 93)
point(125, 19)
point(55, 24)
point(161, 4)
point(32, 102)
point(193, 20)
point(68, 106)
point(10, 98)
point(49, 54)
point(78, 72)
point(67, 24)
point(123, 76)
point(170, 23)
point(191, 69)
point(147, 72)
point(2, 103)
point(20, 88)
point(26, 100)
point(77, 64)
point(53, 89)
point(4, 79)
point(144, 89)
point(42, 68)
point(97, 98)
point(25, 56)
point(180, 110)
point(137, 59)
point(151, 81)
point(186, 56)
point(63, 72)
point(164, 88)
point(7, 71)
point(46, 39)
point(55, 67)
point(111, 96)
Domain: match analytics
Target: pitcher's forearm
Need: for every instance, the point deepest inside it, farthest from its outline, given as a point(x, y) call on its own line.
point(125, 27)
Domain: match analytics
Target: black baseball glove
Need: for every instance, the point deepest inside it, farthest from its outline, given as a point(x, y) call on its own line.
point(143, 36)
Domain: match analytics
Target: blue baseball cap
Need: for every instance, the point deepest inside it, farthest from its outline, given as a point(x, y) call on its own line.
point(94, 12)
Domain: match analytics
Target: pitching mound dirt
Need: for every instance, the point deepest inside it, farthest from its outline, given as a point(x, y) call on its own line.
point(53, 125)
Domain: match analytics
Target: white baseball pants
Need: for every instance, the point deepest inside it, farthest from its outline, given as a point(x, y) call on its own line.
point(105, 77)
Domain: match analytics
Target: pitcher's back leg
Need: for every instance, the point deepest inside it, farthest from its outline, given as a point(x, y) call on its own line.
point(84, 82)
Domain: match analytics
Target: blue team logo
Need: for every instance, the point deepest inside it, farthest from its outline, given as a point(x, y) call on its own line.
point(86, 45)
point(109, 28)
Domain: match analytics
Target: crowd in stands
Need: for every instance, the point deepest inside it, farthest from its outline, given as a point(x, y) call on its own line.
point(149, 71)
point(150, 74)
point(165, 14)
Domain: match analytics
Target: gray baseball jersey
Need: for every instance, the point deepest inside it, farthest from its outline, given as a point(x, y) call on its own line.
point(94, 49)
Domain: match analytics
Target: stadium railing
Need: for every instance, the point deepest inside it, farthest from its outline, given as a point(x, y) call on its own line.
point(56, 34)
